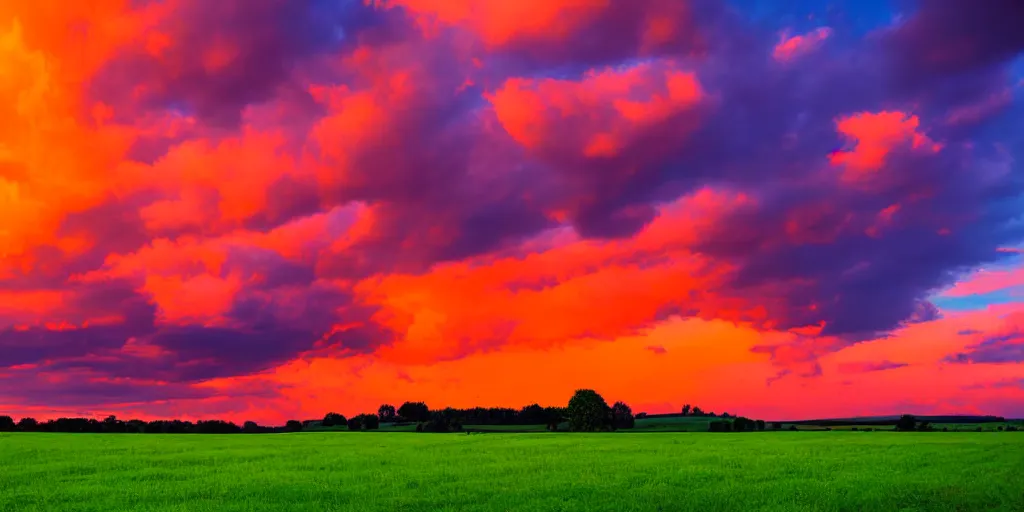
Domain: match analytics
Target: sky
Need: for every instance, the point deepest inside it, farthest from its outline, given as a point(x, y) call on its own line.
point(272, 209)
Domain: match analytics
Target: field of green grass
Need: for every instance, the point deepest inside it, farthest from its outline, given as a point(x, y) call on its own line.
point(615, 472)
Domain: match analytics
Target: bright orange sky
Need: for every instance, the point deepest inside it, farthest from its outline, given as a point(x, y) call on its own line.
point(270, 209)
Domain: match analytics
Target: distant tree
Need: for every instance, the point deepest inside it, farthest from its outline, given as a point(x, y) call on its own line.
point(250, 427)
point(776, 425)
point(640, 415)
point(999, 428)
point(741, 424)
point(622, 416)
point(414, 411)
point(369, 421)
point(113, 425)
point(293, 426)
point(1009, 428)
point(760, 424)
point(792, 427)
point(440, 422)
point(924, 427)
point(906, 423)
point(686, 410)
point(6, 424)
point(726, 415)
point(386, 413)
point(355, 423)
point(28, 424)
point(696, 411)
point(332, 419)
point(719, 426)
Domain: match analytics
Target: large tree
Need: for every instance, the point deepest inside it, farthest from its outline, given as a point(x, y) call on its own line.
point(588, 412)
point(6, 423)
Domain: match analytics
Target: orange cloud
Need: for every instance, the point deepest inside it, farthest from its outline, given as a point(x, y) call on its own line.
point(604, 112)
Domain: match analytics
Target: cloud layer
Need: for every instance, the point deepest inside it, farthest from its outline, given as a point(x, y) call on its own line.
point(272, 208)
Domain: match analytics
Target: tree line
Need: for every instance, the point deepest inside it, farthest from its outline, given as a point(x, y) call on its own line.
point(586, 411)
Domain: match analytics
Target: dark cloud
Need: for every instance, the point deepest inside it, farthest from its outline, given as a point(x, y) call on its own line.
point(90, 312)
point(1000, 349)
point(864, 367)
point(221, 57)
point(945, 38)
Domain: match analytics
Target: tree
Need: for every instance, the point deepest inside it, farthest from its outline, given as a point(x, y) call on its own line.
point(369, 421)
point(776, 425)
point(906, 423)
point(686, 410)
point(719, 426)
point(332, 419)
point(27, 424)
point(386, 413)
point(760, 424)
point(588, 412)
point(414, 411)
point(741, 424)
point(6, 424)
point(697, 411)
point(293, 426)
point(355, 423)
point(250, 427)
point(112, 424)
point(622, 415)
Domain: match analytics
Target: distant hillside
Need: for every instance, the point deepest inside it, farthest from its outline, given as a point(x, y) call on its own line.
point(891, 420)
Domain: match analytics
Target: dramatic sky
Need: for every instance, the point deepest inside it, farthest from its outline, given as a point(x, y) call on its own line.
point(269, 209)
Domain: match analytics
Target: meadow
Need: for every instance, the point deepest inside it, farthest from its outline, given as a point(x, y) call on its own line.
point(364, 471)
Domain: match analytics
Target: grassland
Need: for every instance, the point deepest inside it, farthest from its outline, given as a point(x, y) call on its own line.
point(348, 471)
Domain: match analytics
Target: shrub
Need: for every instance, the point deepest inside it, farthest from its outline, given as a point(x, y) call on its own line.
point(792, 427)
point(999, 428)
point(945, 429)
point(760, 424)
point(776, 425)
point(1011, 428)
point(854, 429)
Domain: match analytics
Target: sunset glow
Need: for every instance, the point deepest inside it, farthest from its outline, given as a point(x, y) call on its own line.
point(270, 209)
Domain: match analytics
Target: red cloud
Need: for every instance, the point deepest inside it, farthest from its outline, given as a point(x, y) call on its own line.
point(791, 47)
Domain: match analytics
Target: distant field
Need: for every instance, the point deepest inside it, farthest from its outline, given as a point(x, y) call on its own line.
point(771, 471)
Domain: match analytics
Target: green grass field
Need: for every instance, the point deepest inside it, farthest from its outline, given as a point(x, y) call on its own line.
point(328, 471)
